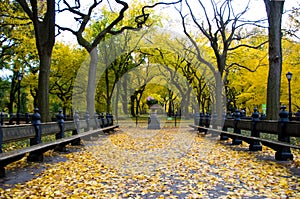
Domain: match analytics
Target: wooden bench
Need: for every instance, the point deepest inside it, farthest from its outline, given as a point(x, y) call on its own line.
point(272, 127)
point(248, 139)
point(23, 132)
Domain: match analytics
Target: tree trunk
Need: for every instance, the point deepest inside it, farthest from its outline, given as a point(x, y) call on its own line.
point(218, 107)
point(124, 96)
point(132, 111)
point(12, 96)
point(274, 11)
point(34, 93)
point(43, 87)
point(44, 29)
point(90, 96)
point(117, 100)
point(108, 98)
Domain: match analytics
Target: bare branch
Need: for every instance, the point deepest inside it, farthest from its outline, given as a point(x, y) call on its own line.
point(244, 67)
point(248, 46)
point(25, 7)
point(198, 54)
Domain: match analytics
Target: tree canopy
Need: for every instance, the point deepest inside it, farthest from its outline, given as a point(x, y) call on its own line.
point(223, 55)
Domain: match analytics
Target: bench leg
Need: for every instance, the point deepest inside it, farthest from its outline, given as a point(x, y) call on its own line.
point(35, 157)
point(236, 141)
point(223, 136)
point(76, 142)
point(255, 146)
point(2, 172)
point(284, 154)
point(60, 148)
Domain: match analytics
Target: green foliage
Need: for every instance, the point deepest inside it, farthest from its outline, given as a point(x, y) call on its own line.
point(66, 60)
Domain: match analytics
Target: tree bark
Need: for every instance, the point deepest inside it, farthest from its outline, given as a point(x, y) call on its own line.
point(12, 94)
point(132, 100)
point(43, 87)
point(90, 96)
point(124, 97)
point(108, 96)
point(274, 11)
point(218, 107)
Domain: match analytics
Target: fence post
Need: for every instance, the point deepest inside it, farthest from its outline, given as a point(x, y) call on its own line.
point(215, 123)
point(254, 144)
point(1, 118)
point(77, 128)
point(87, 119)
point(207, 122)
point(224, 128)
point(61, 134)
point(297, 115)
point(27, 118)
point(106, 119)
point(196, 119)
point(96, 121)
point(101, 116)
point(61, 124)
point(201, 119)
point(109, 119)
point(175, 117)
point(36, 156)
point(1, 138)
point(237, 119)
point(283, 153)
point(243, 114)
point(2, 169)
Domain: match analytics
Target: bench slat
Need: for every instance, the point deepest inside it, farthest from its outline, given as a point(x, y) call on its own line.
point(11, 154)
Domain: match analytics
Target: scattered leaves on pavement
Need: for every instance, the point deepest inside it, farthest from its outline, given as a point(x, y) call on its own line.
point(167, 163)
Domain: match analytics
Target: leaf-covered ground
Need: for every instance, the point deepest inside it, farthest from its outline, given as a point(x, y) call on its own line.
point(168, 163)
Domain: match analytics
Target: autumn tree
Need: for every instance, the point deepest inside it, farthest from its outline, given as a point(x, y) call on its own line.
point(118, 53)
point(179, 72)
point(245, 86)
point(17, 54)
point(117, 25)
point(274, 12)
point(42, 15)
point(66, 60)
point(224, 29)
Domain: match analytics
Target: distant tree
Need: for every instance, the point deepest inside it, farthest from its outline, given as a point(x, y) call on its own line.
point(117, 25)
point(4, 93)
point(66, 60)
point(225, 30)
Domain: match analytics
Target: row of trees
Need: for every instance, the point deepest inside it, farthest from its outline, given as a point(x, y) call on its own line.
point(209, 64)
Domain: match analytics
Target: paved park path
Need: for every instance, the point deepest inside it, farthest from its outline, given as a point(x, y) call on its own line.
point(166, 163)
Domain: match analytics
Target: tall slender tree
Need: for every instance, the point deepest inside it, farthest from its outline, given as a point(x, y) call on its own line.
point(223, 27)
point(274, 10)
